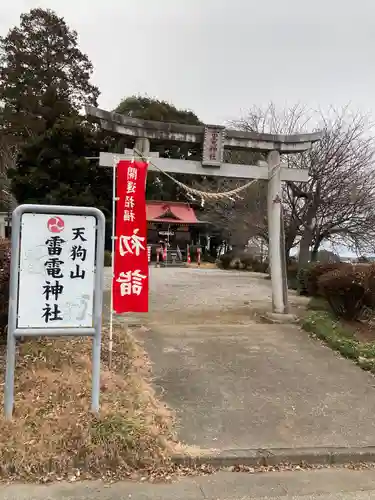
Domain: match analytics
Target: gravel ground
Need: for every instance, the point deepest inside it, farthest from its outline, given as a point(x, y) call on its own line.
point(189, 293)
point(192, 295)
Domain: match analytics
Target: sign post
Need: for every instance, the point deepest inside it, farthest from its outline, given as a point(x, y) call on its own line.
point(56, 281)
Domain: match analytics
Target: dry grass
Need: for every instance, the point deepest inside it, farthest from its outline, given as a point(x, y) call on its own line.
point(204, 265)
point(53, 433)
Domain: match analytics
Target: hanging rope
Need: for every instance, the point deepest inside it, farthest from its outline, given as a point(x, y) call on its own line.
point(204, 195)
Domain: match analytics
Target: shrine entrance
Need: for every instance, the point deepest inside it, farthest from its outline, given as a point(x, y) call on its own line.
point(240, 387)
point(214, 139)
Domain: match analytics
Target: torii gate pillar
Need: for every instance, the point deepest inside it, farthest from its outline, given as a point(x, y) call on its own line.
point(214, 139)
point(274, 200)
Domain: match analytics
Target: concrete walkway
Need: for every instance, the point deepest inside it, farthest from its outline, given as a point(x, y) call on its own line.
point(238, 384)
point(327, 484)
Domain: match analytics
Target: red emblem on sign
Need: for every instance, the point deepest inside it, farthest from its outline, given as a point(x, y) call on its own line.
point(55, 224)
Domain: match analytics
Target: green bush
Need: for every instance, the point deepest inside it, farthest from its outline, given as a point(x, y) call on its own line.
point(345, 291)
point(107, 258)
point(4, 285)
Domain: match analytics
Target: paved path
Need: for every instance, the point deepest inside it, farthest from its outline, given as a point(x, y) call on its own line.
point(329, 484)
point(238, 384)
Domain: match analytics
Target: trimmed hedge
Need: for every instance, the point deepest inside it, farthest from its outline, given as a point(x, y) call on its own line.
point(345, 291)
point(317, 270)
point(348, 289)
point(308, 276)
point(242, 260)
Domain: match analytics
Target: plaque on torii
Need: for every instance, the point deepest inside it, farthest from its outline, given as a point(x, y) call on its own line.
point(214, 139)
point(213, 146)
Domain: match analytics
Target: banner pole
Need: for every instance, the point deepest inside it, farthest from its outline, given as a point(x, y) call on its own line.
point(110, 342)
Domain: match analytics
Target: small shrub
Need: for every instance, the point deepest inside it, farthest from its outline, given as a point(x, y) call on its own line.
point(107, 258)
point(248, 261)
point(345, 291)
point(4, 285)
point(292, 272)
point(363, 260)
point(208, 258)
point(225, 260)
point(370, 285)
point(302, 280)
point(242, 260)
point(236, 263)
point(318, 304)
point(252, 263)
point(260, 267)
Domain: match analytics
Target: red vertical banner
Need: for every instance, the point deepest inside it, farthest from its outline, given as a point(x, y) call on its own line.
point(130, 280)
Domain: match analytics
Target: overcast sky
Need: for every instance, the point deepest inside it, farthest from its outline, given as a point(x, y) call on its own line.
point(219, 57)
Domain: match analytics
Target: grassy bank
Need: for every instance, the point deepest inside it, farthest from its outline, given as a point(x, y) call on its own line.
point(54, 435)
point(353, 340)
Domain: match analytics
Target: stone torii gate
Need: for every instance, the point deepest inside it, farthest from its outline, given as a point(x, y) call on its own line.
point(214, 139)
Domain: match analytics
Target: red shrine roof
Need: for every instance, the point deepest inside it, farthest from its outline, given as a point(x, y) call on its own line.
point(174, 212)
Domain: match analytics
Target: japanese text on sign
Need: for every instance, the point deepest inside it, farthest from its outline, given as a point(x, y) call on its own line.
point(130, 281)
point(212, 145)
point(57, 268)
point(131, 186)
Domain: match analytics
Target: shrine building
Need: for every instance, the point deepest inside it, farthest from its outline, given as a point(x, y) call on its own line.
point(175, 223)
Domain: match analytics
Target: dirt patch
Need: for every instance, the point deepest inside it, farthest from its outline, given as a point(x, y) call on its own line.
point(53, 433)
point(230, 313)
point(360, 330)
point(227, 315)
point(363, 331)
point(203, 265)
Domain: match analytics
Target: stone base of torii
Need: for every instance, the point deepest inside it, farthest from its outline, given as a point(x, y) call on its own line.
point(214, 139)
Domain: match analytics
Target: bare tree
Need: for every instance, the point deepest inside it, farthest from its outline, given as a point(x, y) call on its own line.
point(245, 218)
point(240, 218)
point(338, 202)
point(270, 119)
